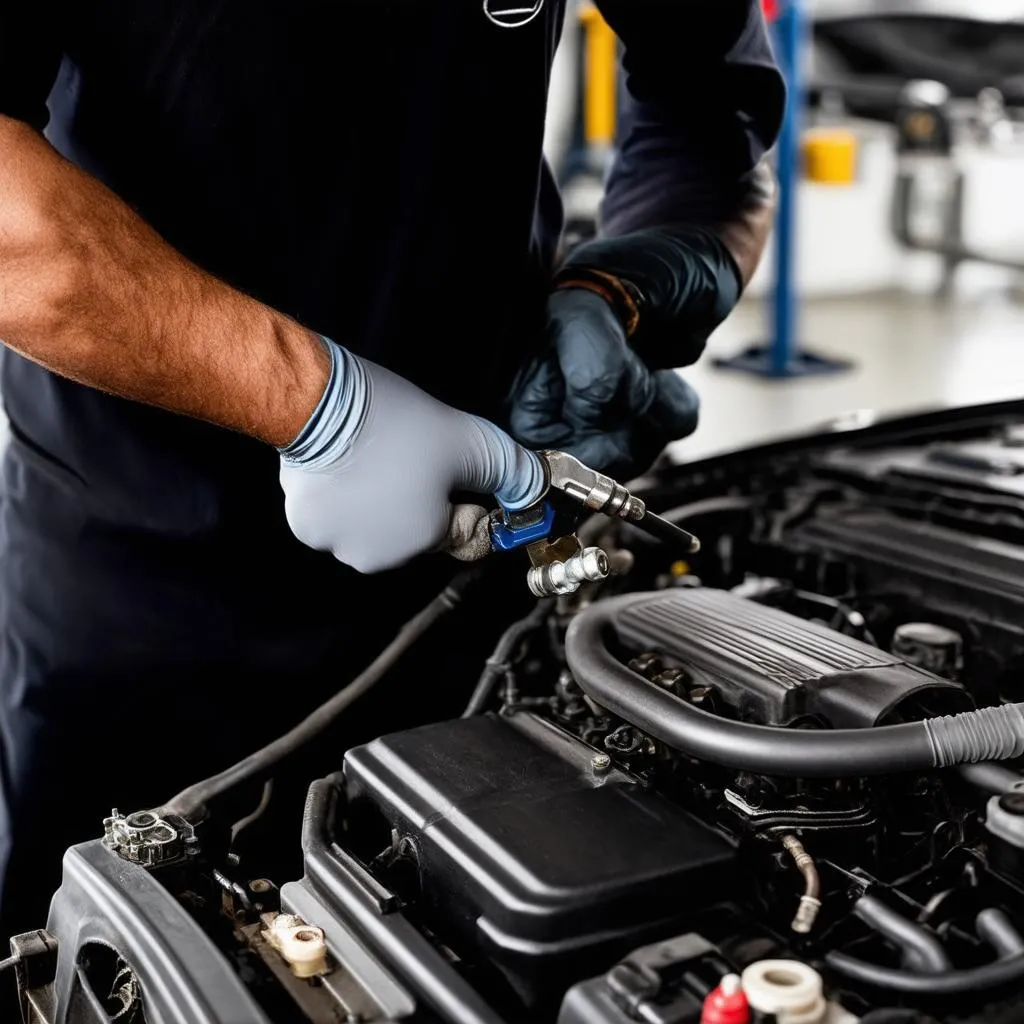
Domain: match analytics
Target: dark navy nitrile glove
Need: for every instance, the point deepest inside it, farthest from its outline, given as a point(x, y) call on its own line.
point(624, 311)
point(370, 476)
point(671, 287)
point(591, 395)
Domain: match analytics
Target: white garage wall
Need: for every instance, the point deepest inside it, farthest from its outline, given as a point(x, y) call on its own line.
point(844, 243)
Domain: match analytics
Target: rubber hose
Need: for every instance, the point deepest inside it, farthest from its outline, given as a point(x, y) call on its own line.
point(683, 514)
point(896, 1016)
point(708, 507)
point(985, 735)
point(191, 802)
point(989, 734)
point(975, 980)
point(992, 778)
point(996, 930)
point(922, 951)
point(498, 662)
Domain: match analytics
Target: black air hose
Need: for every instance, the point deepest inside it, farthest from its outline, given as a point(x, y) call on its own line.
point(1003, 974)
point(896, 1016)
point(997, 930)
point(191, 803)
point(500, 661)
point(991, 734)
point(992, 778)
point(922, 951)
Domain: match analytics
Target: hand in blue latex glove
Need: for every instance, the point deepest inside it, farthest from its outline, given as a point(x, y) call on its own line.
point(590, 395)
point(369, 477)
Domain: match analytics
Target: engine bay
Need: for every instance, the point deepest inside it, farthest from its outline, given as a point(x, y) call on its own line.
point(790, 757)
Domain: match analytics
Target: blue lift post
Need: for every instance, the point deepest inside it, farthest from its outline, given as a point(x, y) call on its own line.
point(783, 357)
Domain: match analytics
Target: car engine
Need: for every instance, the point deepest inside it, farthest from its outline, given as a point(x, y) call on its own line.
point(774, 779)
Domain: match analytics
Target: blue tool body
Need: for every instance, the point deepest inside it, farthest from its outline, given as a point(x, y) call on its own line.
point(513, 530)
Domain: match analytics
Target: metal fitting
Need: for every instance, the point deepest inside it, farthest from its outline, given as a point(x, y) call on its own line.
point(591, 489)
point(557, 578)
point(149, 839)
point(34, 955)
point(806, 914)
point(810, 904)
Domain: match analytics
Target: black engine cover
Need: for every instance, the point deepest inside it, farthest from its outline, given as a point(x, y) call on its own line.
point(526, 852)
point(776, 669)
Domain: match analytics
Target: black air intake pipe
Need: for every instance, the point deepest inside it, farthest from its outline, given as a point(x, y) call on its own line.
point(990, 734)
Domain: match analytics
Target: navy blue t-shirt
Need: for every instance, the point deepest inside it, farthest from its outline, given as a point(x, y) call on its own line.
point(372, 168)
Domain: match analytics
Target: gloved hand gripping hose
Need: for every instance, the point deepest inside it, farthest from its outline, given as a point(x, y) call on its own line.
point(991, 734)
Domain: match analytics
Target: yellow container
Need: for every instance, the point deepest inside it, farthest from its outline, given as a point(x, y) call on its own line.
point(601, 73)
point(830, 156)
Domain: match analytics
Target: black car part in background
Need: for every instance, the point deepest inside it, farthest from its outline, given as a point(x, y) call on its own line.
point(870, 49)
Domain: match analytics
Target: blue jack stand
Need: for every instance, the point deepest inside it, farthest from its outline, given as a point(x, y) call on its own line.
point(783, 358)
point(761, 361)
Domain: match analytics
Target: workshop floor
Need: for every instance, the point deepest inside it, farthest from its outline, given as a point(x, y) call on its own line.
point(911, 353)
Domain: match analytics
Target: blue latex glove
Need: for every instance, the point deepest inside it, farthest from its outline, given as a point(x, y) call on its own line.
point(370, 476)
point(591, 395)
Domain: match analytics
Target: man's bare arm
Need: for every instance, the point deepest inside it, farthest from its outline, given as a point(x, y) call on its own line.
point(90, 291)
point(746, 234)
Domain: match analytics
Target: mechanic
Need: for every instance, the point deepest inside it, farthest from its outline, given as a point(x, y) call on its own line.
point(221, 187)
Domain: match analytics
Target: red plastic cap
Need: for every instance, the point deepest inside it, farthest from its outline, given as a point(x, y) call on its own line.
point(727, 1004)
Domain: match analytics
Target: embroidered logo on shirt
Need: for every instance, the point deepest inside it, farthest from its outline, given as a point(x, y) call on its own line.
point(512, 13)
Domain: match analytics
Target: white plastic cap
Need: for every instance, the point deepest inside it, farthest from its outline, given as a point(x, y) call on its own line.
point(787, 988)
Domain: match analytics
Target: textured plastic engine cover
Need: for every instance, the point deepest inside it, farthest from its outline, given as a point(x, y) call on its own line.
point(525, 852)
point(774, 668)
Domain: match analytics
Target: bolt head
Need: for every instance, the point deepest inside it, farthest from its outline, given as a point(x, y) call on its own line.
point(600, 763)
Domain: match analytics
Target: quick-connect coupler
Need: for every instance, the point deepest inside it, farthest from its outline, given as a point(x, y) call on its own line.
point(556, 578)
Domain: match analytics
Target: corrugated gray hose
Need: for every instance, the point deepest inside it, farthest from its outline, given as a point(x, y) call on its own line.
point(991, 734)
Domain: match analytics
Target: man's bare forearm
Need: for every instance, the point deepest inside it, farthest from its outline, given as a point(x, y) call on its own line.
point(746, 234)
point(90, 291)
